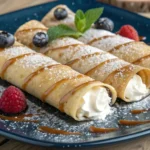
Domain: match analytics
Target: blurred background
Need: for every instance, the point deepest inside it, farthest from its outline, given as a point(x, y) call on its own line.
point(131, 5)
point(142, 6)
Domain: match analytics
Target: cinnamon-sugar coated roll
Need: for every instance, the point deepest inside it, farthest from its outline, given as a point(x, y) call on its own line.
point(55, 84)
point(99, 65)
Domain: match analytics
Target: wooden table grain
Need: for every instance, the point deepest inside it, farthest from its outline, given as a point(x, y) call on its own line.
point(142, 143)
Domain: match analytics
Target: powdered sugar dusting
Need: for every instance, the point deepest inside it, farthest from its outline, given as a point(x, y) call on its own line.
point(93, 34)
point(35, 61)
point(110, 42)
point(63, 42)
point(84, 65)
point(108, 68)
point(16, 51)
point(132, 51)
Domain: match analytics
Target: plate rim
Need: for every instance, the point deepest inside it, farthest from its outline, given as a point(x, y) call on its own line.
point(82, 144)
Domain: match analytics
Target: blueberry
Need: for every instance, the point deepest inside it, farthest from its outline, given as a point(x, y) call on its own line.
point(40, 39)
point(6, 39)
point(104, 23)
point(60, 13)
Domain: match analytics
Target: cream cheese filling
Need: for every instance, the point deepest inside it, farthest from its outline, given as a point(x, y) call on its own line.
point(96, 105)
point(136, 89)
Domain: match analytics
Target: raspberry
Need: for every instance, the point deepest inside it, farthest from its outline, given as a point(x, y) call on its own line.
point(129, 32)
point(12, 101)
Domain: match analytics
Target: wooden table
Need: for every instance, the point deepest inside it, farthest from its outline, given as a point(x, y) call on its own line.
point(142, 143)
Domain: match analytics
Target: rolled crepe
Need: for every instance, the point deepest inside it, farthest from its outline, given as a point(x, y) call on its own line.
point(55, 84)
point(50, 19)
point(130, 81)
point(129, 50)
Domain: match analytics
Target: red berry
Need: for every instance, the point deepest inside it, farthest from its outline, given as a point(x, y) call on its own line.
point(129, 32)
point(12, 101)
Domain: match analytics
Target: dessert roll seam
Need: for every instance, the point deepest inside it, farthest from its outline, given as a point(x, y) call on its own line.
point(83, 58)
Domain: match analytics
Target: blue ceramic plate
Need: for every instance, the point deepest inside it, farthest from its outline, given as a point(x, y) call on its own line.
point(49, 116)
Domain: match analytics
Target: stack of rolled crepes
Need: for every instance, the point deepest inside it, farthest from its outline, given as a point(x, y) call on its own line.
point(131, 82)
point(56, 84)
point(129, 50)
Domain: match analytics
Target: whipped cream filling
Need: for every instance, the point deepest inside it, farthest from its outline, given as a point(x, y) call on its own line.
point(136, 89)
point(96, 105)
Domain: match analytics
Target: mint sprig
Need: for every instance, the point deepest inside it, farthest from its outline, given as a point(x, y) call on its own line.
point(61, 31)
point(83, 21)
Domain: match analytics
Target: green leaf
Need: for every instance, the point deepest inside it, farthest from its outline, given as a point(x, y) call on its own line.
point(61, 31)
point(92, 15)
point(80, 20)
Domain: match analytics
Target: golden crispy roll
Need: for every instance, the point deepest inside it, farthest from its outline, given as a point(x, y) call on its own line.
point(130, 81)
point(129, 50)
point(55, 84)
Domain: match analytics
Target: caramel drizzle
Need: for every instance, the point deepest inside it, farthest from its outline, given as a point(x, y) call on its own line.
point(55, 131)
point(20, 118)
point(116, 71)
point(100, 38)
point(11, 61)
point(73, 91)
point(83, 58)
point(119, 46)
point(133, 122)
point(30, 77)
point(139, 111)
point(94, 129)
point(30, 29)
point(100, 65)
point(141, 59)
point(63, 47)
point(54, 86)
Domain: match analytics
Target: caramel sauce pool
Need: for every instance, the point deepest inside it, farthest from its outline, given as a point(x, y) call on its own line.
point(133, 122)
point(102, 130)
point(55, 131)
point(139, 111)
point(19, 118)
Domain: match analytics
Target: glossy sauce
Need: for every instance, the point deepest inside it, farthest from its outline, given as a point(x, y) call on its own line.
point(100, 65)
point(133, 122)
point(30, 77)
point(54, 86)
point(102, 130)
point(10, 62)
point(138, 111)
point(55, 131)
point(140, 59)
point(82, 58)
point(119, 46)
point(20, 118)
point(100, 38)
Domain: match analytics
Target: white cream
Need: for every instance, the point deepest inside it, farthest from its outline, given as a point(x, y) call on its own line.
point(96, 105)
point(136, 89)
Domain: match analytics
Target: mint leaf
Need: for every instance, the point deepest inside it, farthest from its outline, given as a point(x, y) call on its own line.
point(80, 20)
point(92, 15)
point(83, 21)
point(61, 31)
